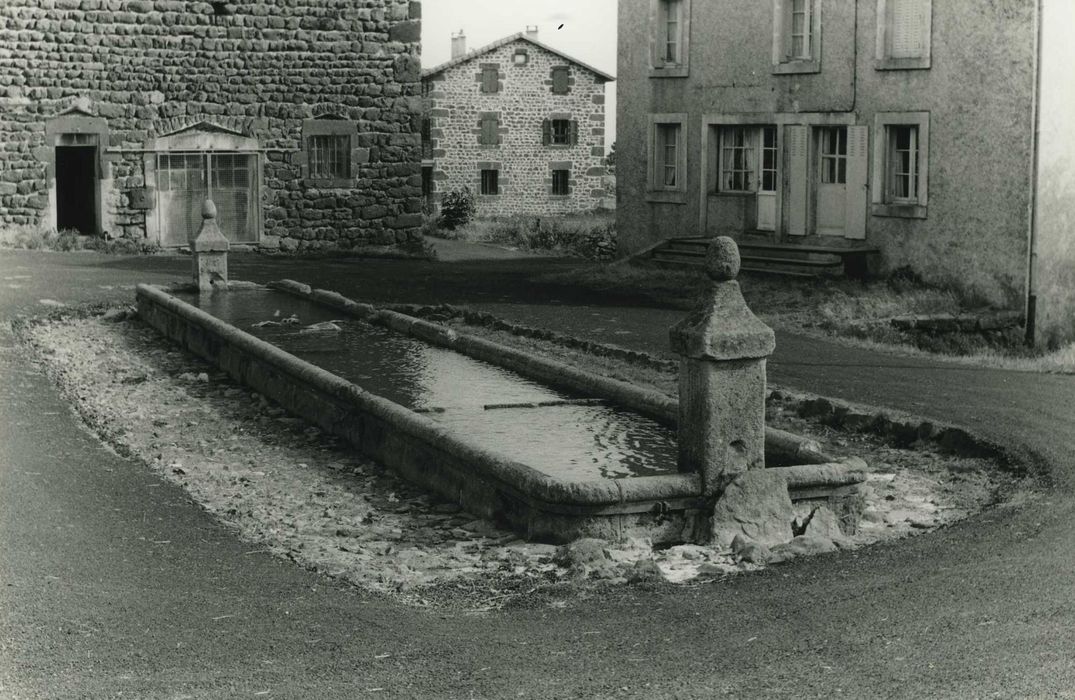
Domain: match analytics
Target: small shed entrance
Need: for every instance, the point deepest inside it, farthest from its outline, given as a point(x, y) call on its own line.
point(186, 180)
point(204, 161)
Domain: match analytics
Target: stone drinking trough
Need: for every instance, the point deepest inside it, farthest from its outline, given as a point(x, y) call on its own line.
point(487, 478)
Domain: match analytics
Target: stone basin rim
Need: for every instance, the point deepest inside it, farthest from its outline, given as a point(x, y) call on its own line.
point(534, 484)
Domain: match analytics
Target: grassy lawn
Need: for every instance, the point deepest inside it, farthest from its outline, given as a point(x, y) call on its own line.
point(854, 312)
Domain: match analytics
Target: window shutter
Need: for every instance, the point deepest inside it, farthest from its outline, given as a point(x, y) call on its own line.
point(797, 145)
point(857, 167)
point(907, 26)
point(490, 79)
point(574, 132)
point(559, 80)
point(546, 132)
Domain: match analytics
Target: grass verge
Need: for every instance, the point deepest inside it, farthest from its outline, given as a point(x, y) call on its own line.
point(855, 312)
point(40, 238)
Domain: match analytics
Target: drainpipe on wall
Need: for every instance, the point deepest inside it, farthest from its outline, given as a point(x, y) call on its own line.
point(1035, 142)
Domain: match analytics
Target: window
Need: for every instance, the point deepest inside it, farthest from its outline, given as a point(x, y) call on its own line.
point(561, 132)
point(737, 159)
point(490, 78)
point(561, 182)
point(903, 34)
point(832, 156)
point(901, 176)
point(561, 79)
point(900, 168)
point(668, 146)
point(670, 34)
point(796, 37)
point(520, 58)
point(800, 30)
point(667, 166)
point(329, 151)
point(490, 181)
point(768, 159)
point(329, 157)
point(489, 129)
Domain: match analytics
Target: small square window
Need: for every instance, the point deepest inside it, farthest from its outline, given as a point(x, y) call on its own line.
point(490, 182)
point(520, 58)
point(329, 156)
point(561, 180)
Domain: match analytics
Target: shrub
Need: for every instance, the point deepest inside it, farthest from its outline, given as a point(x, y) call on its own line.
point(588, 237)
point(457, 208)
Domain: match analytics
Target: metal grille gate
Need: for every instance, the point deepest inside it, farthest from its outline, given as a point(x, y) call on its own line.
point(186, 179)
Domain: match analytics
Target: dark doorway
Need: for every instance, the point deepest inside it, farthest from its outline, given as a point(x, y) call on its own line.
point(76, 189)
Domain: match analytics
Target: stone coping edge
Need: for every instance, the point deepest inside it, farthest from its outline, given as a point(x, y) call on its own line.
point(544, 491)
point(652, 404)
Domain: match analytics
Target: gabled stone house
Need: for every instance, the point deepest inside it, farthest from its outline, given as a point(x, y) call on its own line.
point(519, 123)
point(299, 118)
point(924, 134)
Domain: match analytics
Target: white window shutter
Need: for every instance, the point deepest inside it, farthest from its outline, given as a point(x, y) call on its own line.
point(857, 178)
point(797, 143)
point(908, 23)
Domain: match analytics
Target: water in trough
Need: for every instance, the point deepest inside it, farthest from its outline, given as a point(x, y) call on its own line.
point(485, 404)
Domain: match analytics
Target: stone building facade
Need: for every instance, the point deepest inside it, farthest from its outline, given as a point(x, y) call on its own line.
point(520, 124)
point(876, 124)
point(299, 118)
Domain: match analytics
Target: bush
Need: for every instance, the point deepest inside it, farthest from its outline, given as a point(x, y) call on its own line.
point(457, 208)
point(583, 236)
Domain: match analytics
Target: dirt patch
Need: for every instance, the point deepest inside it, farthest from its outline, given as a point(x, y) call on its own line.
point(301, 494)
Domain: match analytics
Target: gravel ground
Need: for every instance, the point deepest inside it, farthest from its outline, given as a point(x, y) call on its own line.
point(290, 489)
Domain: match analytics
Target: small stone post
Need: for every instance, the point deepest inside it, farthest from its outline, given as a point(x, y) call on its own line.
point(210, 251)
point(721, 377)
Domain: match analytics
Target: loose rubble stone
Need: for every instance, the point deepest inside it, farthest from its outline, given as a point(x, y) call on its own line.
point(755, 504)
point(801, 546)
point(750, 551)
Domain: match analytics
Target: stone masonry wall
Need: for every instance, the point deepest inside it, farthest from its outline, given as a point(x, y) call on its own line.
point(257, 67)
point(524, 101)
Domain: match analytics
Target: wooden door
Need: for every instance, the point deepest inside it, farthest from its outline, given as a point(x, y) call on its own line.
point(831, 182)
point(766, 196)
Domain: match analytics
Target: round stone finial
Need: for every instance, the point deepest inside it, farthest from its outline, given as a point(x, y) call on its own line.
point(208, 209)
point(722, 259)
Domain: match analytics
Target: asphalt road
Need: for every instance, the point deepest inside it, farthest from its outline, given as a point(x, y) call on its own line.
point(112, 583)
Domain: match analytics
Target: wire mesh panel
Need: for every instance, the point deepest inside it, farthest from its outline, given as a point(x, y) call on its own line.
point(182, 187)
point(186, 180)
point(231, 185)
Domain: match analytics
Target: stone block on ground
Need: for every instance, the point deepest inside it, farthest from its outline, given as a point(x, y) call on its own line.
point(824, 523)
point(749, 551)
point(802, 546)
point(756, 505)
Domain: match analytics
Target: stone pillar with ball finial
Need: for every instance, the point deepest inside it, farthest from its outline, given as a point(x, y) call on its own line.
point(723, 347)
point(210, 251)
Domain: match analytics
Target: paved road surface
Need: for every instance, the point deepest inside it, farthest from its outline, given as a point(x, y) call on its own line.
point(112, 582)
